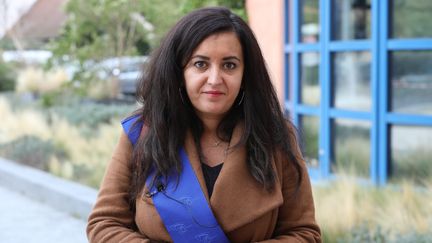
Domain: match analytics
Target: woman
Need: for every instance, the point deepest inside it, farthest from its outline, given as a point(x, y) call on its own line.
point(209, 157)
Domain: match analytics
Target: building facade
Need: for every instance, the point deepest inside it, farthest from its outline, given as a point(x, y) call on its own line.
point(357, 82)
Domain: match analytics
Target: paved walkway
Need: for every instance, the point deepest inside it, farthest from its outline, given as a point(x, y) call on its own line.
point(25, 220)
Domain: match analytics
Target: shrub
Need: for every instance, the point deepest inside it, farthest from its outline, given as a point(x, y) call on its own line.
point(91, 114)
point(350, 212)
point(363, 233)
point(7, 81)
point(414, 165)
point(38, 82)
point(31, 150)
point(75, 152)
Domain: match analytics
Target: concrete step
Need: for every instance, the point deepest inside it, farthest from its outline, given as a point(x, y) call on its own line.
point(36, 206)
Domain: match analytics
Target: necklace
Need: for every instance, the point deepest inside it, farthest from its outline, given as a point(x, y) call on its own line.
point(217, 143)
point(225, 154)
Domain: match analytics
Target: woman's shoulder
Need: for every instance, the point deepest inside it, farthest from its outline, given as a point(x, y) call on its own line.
point(133, 126)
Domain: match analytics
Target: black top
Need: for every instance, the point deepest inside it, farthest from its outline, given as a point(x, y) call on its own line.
point(210, 176)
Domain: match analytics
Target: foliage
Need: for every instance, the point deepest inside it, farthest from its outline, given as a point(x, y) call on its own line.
point(351, 212)
point(411, 18)
point(7, 81)
point(163, 14)
point(90, 114)
point(413, 237)
point(351, 150)
point(352, 156)
point(49, 86)
point(100, 29)
point(363, 233)
point(72, 140)
point(97, 30)
point(31, 150)
point(38, 82)
point(7, 44)
point(310, 11)
point(309, 139)
point(112, 28)
point(237, 6)
point(413, 165)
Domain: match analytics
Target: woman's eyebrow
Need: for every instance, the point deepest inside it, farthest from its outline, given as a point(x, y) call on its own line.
point(231, 57)
point(201, 57)
point(208, 58)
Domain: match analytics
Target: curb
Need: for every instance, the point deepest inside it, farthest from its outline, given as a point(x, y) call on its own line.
point(66, 196)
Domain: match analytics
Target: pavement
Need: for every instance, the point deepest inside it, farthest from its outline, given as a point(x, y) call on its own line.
point(26, 220)
point(38, 207)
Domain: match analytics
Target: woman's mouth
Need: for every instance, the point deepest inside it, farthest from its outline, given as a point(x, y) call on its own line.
point(213, 93)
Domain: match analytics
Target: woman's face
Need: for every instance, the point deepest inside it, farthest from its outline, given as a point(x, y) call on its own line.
point(214, 74)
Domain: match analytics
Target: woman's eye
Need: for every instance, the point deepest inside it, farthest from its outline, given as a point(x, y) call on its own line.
point(200, 64)
point(230, 65)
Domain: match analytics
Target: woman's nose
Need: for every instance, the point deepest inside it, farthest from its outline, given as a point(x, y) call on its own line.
point(214, 76)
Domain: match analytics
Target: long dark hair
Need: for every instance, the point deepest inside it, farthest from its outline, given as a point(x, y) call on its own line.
point(168, 113)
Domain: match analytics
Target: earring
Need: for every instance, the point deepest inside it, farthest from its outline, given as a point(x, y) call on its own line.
point(241, 99)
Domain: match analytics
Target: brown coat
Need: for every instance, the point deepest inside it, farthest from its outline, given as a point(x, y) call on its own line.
point(244, 210)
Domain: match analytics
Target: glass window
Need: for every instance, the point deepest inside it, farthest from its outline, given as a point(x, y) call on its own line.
point(351, 80)
point(410, 19)
point(411, 82)
point(288, 77)
point(351, 147)
point(287, 24)
point(309, 75)
point(309, 131)
point(309, 22)
point(351, 19)
point(411, 154)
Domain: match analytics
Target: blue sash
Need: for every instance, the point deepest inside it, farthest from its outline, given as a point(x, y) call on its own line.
point(182, 207)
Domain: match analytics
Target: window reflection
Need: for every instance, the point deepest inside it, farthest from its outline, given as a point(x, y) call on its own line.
point(411, 82)
point(411, 155)
point(351, 80)
point(351, 147)
point(351, 19)
point(410, 19)
point(309, 74)
point(309, 127)
point(310, 26)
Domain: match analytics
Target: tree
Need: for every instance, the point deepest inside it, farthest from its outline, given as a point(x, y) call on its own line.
point(97, 29)
point(100, 29)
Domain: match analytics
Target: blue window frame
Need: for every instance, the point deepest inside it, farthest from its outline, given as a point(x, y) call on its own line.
point(363, 98)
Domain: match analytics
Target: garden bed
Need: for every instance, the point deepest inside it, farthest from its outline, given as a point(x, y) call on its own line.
point(73, 140)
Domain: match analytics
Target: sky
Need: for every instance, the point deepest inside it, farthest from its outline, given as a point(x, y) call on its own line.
point(10, 10)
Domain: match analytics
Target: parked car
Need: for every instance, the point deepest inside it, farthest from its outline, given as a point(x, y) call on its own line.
point(124, 70)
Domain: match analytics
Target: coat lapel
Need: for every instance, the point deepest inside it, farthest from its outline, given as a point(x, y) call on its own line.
point(195, 162)
point(237, 198)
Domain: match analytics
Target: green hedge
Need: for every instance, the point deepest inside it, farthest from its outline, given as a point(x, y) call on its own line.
point(7, 77)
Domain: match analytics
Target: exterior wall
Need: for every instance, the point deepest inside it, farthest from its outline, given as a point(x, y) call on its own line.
point(266, 20)
point(43, 20)
point(360, 82)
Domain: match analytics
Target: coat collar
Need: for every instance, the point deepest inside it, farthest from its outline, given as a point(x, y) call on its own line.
point(237, 198)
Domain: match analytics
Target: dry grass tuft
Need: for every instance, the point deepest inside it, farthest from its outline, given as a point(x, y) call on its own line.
point(82, 152)
point(344, 205)
point(37, 81)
